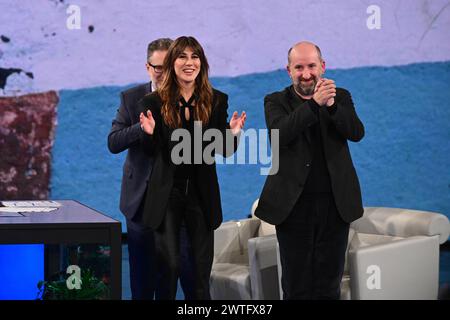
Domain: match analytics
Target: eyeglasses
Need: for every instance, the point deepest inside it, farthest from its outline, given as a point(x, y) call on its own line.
point(157, 69)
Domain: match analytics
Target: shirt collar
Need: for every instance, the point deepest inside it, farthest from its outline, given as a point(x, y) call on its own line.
point(152, 86)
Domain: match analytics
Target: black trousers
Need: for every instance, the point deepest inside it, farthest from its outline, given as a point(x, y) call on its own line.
point(145, 282)
point(312, 240)
point(184, 207)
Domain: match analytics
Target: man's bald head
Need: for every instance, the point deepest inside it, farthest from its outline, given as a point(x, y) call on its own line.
point(302, 47)
point(305, 67)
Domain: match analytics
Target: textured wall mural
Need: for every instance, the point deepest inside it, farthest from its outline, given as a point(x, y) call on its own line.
point(394, 56)
point(27, 125)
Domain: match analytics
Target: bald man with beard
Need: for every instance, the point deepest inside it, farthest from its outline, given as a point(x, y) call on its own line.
point(315, 194)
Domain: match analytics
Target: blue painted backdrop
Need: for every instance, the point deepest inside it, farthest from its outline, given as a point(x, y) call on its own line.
point(402, 161)
point(21, 268)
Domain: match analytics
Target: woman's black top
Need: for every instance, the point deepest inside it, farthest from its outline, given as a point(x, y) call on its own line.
point(186, 170)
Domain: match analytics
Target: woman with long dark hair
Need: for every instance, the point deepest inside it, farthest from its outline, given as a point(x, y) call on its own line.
point(183, 185)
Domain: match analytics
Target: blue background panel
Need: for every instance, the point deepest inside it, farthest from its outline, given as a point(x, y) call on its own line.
point(401, 162)
point(21, 268)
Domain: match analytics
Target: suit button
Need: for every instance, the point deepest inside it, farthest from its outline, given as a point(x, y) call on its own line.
point(308, 164)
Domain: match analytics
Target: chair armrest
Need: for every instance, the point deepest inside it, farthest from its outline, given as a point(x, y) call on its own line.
point(262, 252)
point(383, 267)
point(403, 223)
point(230, 240)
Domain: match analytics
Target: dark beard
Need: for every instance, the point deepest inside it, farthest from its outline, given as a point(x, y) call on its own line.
point(306, 90)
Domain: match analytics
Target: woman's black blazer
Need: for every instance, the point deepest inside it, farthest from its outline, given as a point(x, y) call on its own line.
point(159, 146)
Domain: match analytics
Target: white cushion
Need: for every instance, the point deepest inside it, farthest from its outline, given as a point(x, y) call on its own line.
point(403, 223)
point(230, 281)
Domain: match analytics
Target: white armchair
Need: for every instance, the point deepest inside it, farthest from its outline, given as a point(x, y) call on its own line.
point(394, 254)
point(245, 265)
point(391, 254)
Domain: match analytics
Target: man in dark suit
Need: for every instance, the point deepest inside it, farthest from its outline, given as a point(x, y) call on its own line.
point(124, 135)
point(315, 194)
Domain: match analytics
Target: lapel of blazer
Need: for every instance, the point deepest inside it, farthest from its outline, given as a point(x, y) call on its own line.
point(324, 119)
point(214, 117)
point(289, 107)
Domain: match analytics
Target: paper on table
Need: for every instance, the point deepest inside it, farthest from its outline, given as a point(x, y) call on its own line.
point(39, 204)
point(10, 214)
point(26, 209)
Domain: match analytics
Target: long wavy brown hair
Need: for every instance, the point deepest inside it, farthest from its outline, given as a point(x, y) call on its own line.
point(169, 90)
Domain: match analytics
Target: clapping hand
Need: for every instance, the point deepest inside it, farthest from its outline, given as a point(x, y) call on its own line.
point(237, 122)
point(147, 122)
point(325, 92)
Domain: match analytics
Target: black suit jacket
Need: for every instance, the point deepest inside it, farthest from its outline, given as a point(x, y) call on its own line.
point(125, 135)
point(283, 111)
point(159, 146)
